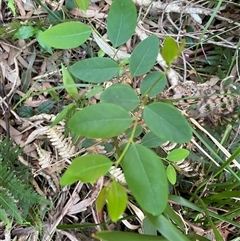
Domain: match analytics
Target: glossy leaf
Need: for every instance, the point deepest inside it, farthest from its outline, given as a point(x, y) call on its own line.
point(68, 80)
point(63, 114)
point(95, 70)
point(66, 35)
point(126, 236)
point(177, 154)
point(150, 140)
point(82, 4)
point(100, 121)
point(167, 229)
point(144, 56)
point(121, 21)
point(170, 50)
point(116, 200)
point(171, 174)
point(146, 178)
point(86, 168)
point(167, 122)
point(122, 95)
point(155, 82)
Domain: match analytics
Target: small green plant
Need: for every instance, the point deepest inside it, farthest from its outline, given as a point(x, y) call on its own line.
point(18, 199)
point(122, 110)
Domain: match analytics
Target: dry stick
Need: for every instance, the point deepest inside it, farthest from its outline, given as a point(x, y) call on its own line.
point(226, 43)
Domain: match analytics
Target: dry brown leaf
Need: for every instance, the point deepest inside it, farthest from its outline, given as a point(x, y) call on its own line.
point(8, 73)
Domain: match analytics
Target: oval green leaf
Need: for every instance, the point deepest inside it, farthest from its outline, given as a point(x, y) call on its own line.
point(66, 35)
point(121, 21)
point(167, 122)
point(144, 56)
point(122, 95)
point(95, 70)
point(155, 82)
point(171, 50)
point(146, 178)
point(177, 155)
point(116, 200)
point(86, 169)
point(68, 80)
point(126, 236)
point(150, 140)
point(171, 174)
point(100, 121)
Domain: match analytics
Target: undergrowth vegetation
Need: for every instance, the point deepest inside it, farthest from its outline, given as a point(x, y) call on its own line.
point(139, 133)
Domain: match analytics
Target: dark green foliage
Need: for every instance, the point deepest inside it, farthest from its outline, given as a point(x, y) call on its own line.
point(17, 196)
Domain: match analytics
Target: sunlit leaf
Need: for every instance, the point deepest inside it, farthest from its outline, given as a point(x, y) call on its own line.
point(171, 174)
point(66, 35)
point(116, 200)
point(86, 168)
point(170, 50)
point(177, 154)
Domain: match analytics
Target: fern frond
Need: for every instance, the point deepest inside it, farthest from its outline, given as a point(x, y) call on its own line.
point(7, 203)
point(4, 217)
point(17, 196)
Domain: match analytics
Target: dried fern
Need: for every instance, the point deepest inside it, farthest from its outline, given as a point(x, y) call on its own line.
point(64, 145)
point(17, 196)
